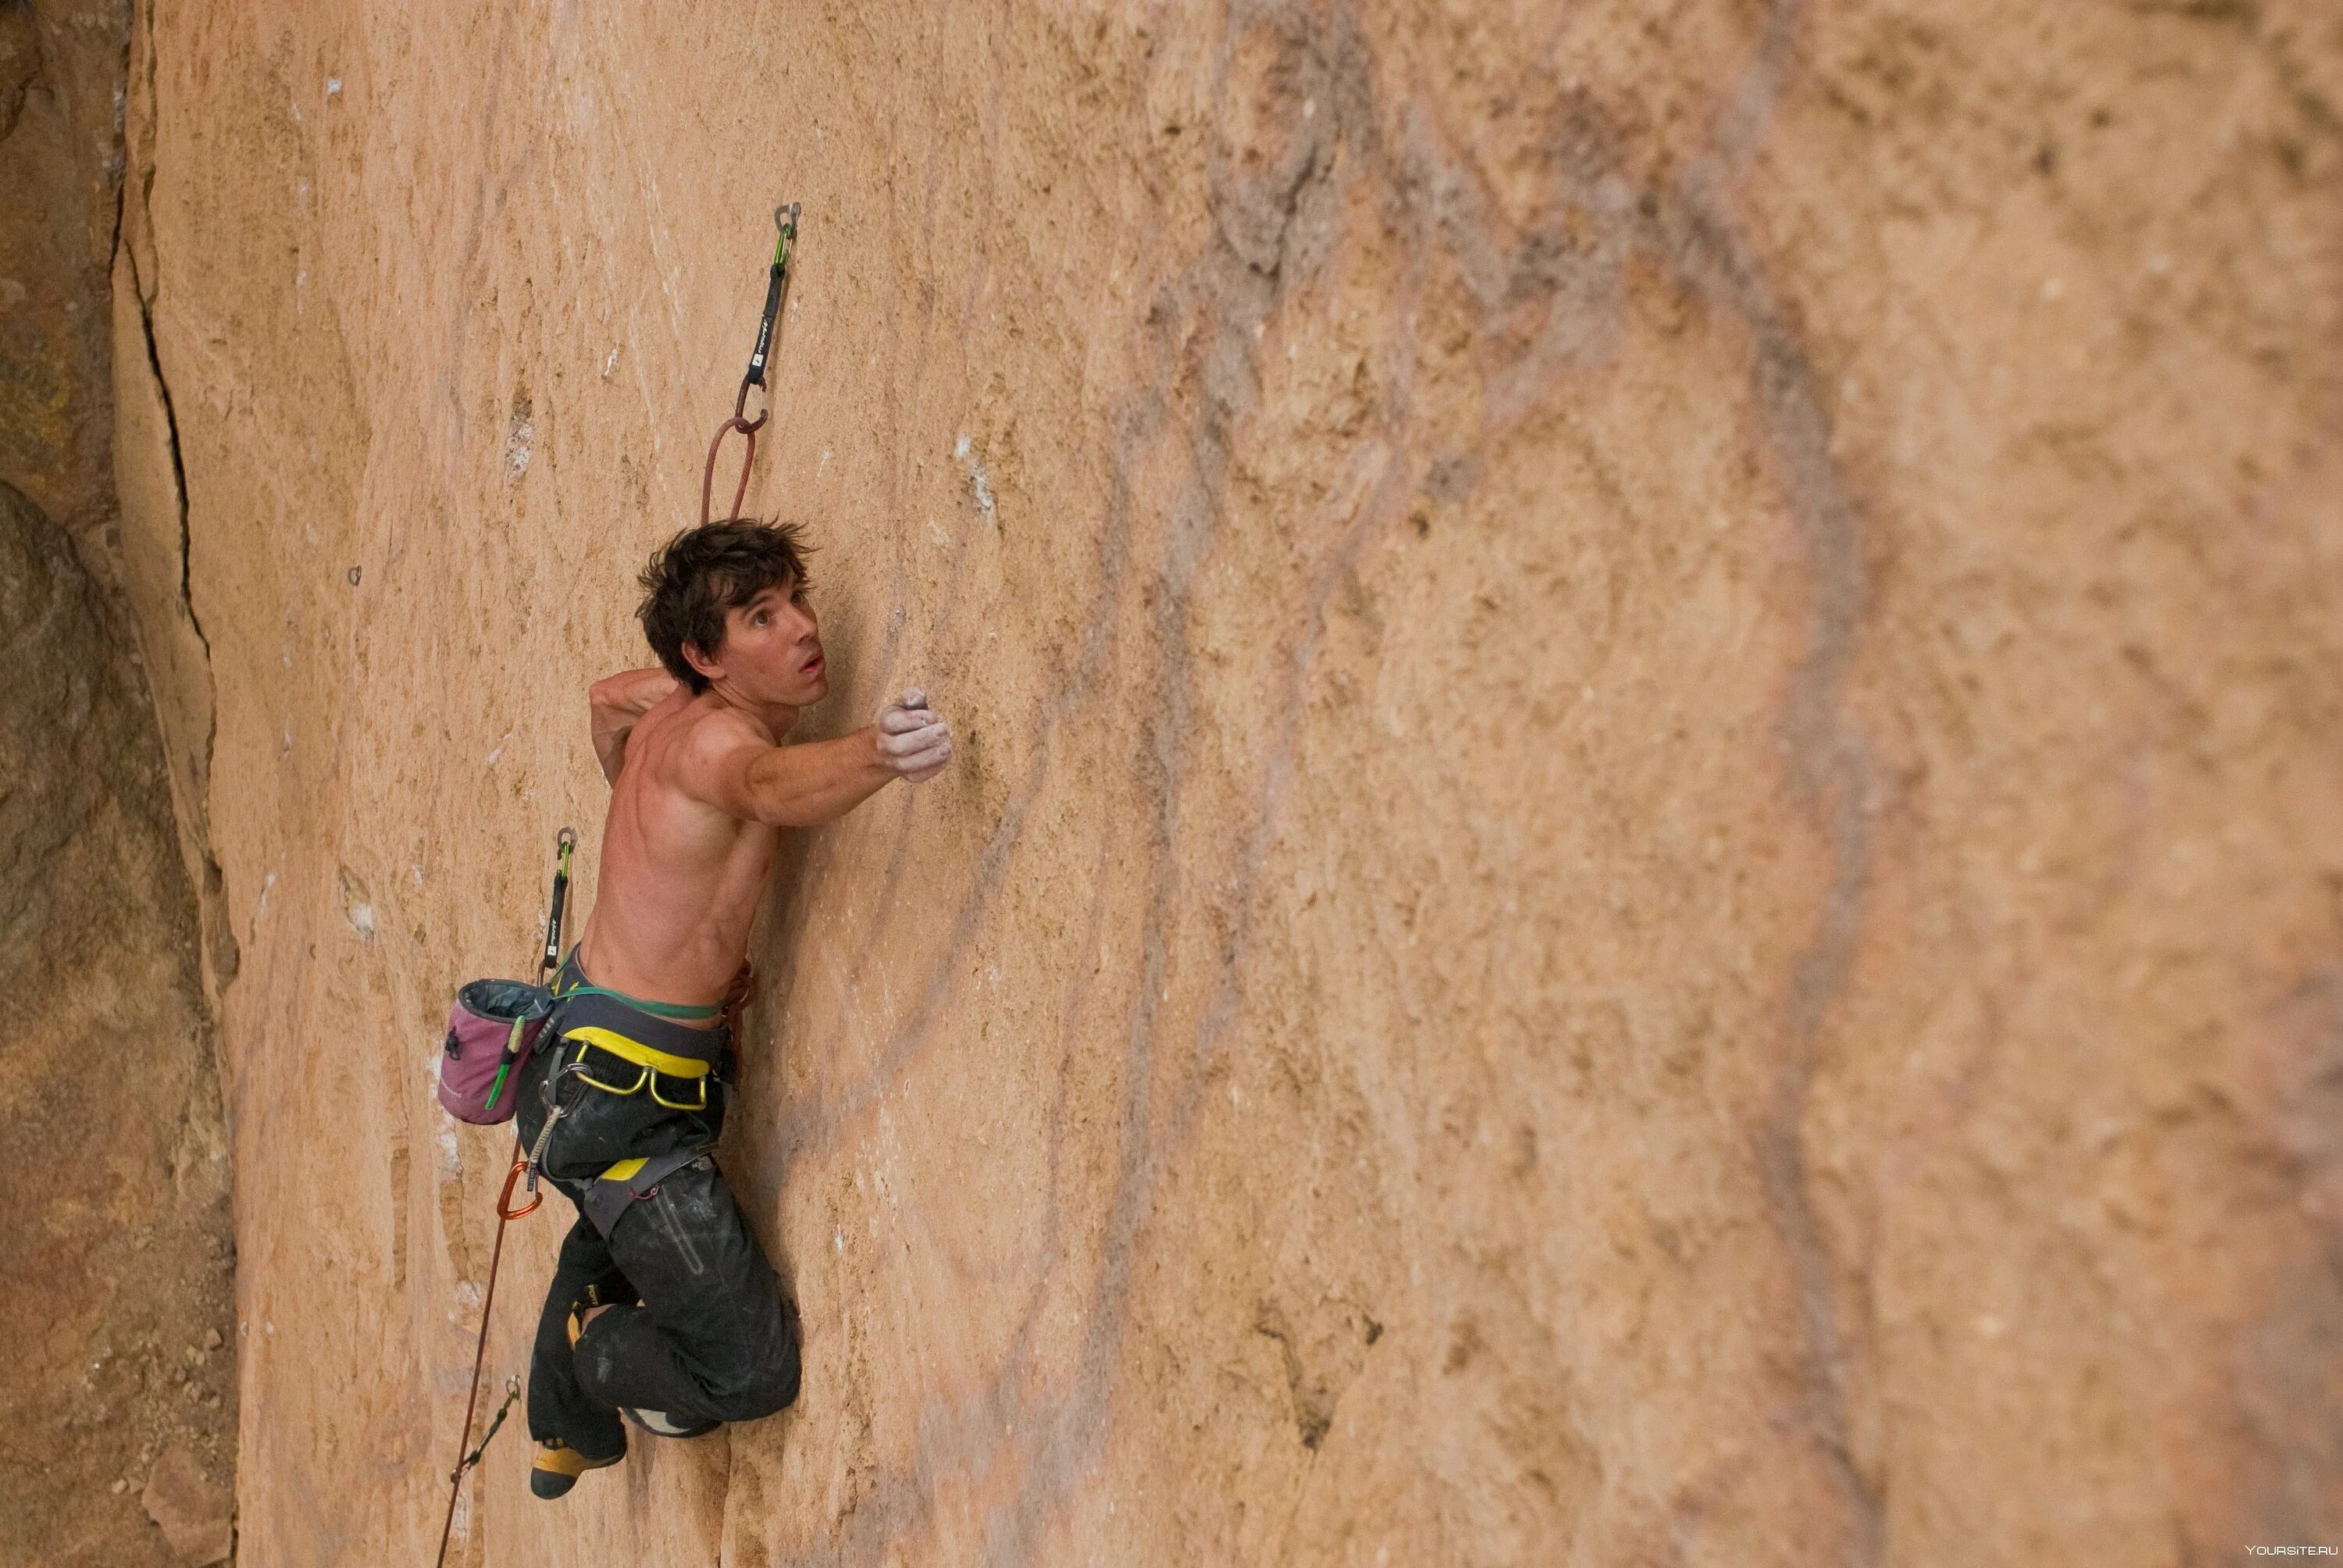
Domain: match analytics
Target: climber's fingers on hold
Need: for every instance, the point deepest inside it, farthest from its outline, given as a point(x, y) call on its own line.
point(924, 763)
point(904, 721)
point(909, 748)
point(913, 738)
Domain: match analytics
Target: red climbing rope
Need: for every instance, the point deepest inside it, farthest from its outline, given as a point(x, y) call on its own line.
point(471, 1456)
point(565, 843)
point(748, 429)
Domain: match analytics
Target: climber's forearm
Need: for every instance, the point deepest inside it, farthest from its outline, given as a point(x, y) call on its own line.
point(820, 781)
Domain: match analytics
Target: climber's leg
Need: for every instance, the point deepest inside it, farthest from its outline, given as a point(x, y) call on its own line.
point(559, 1410)
point(712, 1341)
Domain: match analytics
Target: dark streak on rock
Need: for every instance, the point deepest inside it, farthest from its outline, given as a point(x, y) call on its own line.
point(178, 467)
point(1830, 762)
point(1272, 224)
point(223, 956)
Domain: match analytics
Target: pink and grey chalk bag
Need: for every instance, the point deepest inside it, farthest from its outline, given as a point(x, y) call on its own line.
point(491, 1029)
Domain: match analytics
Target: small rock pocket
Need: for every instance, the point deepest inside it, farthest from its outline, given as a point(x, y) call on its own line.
point(491, 1029)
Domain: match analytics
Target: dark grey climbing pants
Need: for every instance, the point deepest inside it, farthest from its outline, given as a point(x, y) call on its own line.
point(702, 1332)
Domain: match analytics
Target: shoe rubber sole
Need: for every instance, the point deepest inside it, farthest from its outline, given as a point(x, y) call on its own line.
point(557, 1466)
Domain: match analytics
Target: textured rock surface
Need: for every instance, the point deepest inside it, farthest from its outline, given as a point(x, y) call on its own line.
point(115, 1297)
point(1643, 865)
point(61, 66)
point(189, 1508)
point(116, 1294)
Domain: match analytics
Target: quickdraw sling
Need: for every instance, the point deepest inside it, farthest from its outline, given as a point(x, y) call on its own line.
point(777, 288)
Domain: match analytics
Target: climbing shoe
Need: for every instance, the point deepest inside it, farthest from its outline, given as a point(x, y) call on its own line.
point(557, 1467)
point(658, 1424)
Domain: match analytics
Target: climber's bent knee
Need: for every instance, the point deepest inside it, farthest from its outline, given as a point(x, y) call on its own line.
point(756, 1373)
point(757, 1391)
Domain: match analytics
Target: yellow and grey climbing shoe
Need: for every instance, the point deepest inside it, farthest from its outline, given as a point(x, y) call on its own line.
point(557, 1467)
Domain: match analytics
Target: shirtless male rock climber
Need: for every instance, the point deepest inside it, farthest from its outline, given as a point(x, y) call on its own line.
point(663, 1307)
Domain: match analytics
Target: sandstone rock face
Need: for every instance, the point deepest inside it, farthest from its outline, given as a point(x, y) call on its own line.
point(189, 1508)
point(61, 64)
point(115, 1294)
point(1642, 868)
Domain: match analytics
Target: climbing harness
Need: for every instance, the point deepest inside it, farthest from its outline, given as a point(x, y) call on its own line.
point(623, 1046)
point(776, 288)
point(565, 843)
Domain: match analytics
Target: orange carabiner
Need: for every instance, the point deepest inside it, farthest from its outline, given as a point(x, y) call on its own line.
point(505, 1211)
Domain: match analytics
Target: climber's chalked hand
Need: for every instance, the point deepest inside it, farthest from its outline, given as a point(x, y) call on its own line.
point(914, 741)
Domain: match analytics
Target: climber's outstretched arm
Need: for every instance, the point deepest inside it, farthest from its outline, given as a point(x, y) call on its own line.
point(731, 763)
point(617, 701)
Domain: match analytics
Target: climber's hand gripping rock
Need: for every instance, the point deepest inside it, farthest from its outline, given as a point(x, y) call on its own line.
point(914, 742)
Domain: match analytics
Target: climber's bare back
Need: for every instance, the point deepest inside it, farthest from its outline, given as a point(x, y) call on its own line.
point(701, 787)
point(681, 879)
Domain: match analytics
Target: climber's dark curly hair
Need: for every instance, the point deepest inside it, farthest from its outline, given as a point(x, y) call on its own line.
point(694, 577)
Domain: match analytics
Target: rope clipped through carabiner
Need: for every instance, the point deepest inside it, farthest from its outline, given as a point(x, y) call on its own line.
point(776, 288)
point(564, 844)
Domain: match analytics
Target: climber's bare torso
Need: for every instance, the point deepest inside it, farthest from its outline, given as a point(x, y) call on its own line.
point(701, 787)
point(681, 879)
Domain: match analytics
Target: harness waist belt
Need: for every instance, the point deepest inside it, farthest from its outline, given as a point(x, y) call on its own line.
point(642, 1055)
point(644, 1039)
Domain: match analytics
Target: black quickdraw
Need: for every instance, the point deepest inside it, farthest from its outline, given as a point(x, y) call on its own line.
point(512, 1397)
point(777, 288)
point(565, 844)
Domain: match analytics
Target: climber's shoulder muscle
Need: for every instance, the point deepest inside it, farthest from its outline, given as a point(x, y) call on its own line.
point(707, 760)
point(681, 872)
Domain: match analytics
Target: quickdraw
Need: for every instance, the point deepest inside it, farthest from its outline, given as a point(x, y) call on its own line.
point(777, 288)
point(512, 1397)
point(564, 844)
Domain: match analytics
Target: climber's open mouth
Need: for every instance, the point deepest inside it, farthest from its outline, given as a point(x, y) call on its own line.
point(811, 666)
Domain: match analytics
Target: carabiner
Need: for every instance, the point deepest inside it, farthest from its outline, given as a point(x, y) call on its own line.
point(505, 1211)
point(747, 459)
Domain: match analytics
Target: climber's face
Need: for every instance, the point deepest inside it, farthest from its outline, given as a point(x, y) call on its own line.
point(771, 654)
